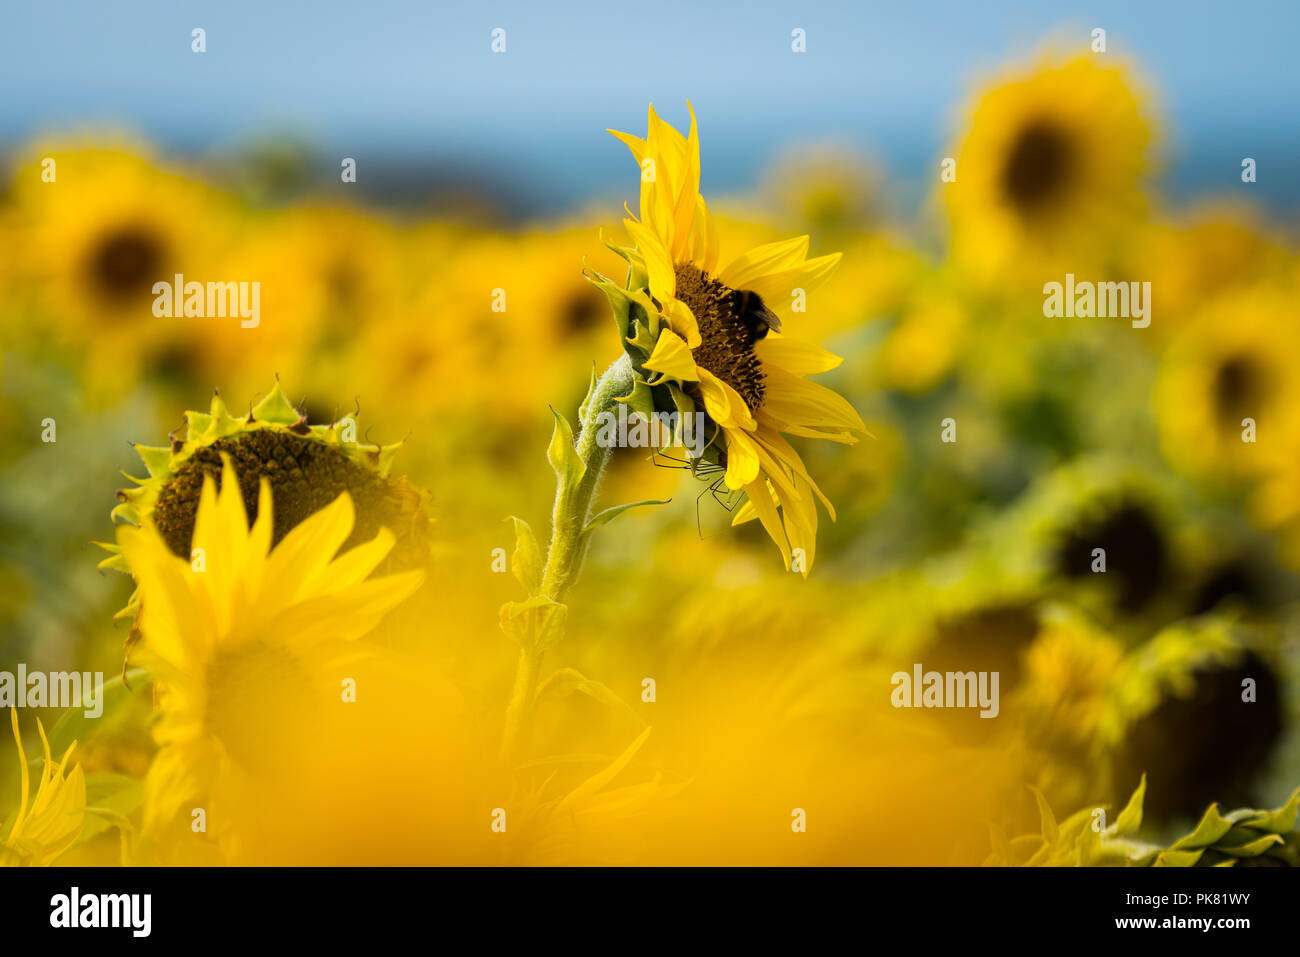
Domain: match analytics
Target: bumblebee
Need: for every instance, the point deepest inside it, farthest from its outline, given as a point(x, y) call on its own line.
point(749, 308)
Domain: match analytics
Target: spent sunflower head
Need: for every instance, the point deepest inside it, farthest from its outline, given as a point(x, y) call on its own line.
point(706, 338)
point(53, 821)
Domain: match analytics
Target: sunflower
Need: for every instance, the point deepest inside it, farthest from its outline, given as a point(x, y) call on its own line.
point(697, 333)
point(307, 466)
point(1231, 363)
point(95, 240)
point(1185, 687)
point(53, 823)
point(1049, 171)
point(241, 645)
point(1217, 248)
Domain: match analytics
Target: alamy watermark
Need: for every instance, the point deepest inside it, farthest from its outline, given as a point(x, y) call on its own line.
point(946, 689)
point(213, 300)
point(1127, 300)
point(662, 429)
point(54, 689)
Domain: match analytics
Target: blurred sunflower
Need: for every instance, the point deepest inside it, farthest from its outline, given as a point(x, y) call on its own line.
point(53, 822)
point(1231, 363)
point(244, 641)
point(307, 466)
point(826, 188)
point(1100, 531)
point(1049, 172)
point(700, 332)
point(926, 342)
point(1189, 684)
point(97, 238)
point(1213, 250)
point(1069, 670)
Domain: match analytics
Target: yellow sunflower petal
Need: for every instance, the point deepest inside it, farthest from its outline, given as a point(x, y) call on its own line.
point(742, 459)
point(777, 288)
point(682, 321)
point(799, 358)
point(723, 403)
point(762, 505)
point(659, 265)
point(672, 357)
point(764, 260)
point(791, 400)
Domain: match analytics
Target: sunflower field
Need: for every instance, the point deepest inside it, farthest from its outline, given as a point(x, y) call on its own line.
point(336, 532)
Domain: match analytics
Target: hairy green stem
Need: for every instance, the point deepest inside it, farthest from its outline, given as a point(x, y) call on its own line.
point(567, 551)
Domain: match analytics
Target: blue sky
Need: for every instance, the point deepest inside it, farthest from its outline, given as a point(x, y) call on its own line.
point(416, 81)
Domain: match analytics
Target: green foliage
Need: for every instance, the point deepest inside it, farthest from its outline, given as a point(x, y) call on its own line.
point(1246, 836)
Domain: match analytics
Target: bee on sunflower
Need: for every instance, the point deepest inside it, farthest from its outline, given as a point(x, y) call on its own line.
point(697, 339)
point(700, 335)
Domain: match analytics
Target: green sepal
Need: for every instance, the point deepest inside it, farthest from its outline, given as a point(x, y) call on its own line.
point(1211, 828)
point(1130, 819)
point(641, 399)
point(158, 460)
point(1172, 858)
point(618, 302)
point(1279, 821)
point(1238, 843)
point(276, 409)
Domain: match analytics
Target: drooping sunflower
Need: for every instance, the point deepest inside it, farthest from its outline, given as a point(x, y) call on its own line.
point(53, 822)
point(1050, 168)
point(241, 643)
point(307, 467)
point(1202, 707)
point(698, 333)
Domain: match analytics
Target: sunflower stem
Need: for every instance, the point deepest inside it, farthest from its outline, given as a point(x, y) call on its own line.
point(573, 504)
point(568, 546)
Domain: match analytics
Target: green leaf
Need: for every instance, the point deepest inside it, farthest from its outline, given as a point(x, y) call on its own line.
point(568, 680)
point(1212, 827)
point(537, 622)
point(562, 455)
point(591, 392)
point(609, 514)
point(109, 798)
point(589, 787)
point(526, 562)
point(1130, 819)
